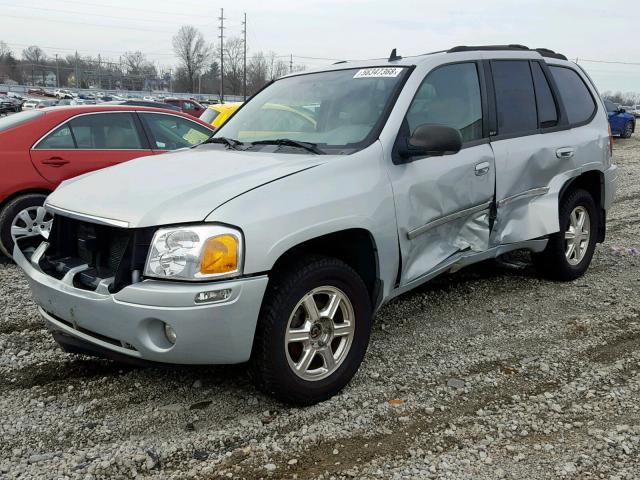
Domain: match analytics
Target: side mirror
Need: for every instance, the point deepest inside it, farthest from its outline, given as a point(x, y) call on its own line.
point(621, 110)
point(430, 139)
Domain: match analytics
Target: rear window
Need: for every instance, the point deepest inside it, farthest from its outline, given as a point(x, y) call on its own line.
point(18, 119)
point(209, 115)
point(575, 95)
point(515, 97)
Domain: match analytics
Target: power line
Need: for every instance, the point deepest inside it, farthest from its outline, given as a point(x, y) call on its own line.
point(609, 62)
point(143, 10)
point(57, 10)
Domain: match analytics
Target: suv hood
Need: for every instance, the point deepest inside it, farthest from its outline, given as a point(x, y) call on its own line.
point(178, 187)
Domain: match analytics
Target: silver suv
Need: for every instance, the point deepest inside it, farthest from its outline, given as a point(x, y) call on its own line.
point(326, 195)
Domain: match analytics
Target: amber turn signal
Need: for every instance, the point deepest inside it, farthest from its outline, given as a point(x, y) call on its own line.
point(220, 255)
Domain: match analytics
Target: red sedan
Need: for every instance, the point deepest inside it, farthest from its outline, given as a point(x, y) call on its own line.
point(41, 148)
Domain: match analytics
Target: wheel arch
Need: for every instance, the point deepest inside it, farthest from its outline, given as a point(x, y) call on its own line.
point(21, 193)
point(354, 246)
point(593, 182)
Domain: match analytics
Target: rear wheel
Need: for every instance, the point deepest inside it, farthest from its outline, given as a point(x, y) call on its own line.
point(628, 130)
point(23, 216)
point(569, 252)
point(313, 331)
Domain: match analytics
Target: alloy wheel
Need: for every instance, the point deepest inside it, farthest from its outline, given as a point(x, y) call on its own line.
point(577, 235)
point(319, 333)
point(30, 222)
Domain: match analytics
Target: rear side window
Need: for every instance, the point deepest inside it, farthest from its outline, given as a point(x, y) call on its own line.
point(515, 97)
point(575, 95)
point(547, 111)
point(59, 139)
point(209, 115)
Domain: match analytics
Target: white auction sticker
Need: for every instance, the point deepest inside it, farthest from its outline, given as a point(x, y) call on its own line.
point(380, 72)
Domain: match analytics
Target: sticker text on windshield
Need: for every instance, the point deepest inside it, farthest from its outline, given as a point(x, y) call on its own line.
point(380, 72)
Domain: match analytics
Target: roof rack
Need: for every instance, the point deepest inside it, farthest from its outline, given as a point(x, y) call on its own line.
point(545, 52)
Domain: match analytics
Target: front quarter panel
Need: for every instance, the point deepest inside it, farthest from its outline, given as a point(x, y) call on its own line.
point(350, 191)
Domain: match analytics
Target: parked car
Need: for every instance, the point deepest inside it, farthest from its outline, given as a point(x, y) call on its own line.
point(41, 148)
point(32, 103)
point(218, 113)
point(635, 111)
point(11, 104)
point(190, 106)
point(63, 94)
point(276, 246)
point(622, 123)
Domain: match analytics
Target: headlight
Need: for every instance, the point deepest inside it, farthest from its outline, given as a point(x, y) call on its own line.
point(195, 253)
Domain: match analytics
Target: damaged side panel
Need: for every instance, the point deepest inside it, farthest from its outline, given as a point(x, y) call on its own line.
point(531, 172)
point(442, 207)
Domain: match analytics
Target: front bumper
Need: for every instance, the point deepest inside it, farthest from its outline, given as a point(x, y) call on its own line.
point(130, 322)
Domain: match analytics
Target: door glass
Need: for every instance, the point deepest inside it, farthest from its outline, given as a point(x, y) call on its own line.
point(450, 96)
point(59, 139)
point(547, 112)
point(575, 94)
point(515, 98)
point(171, 131)
point(106, 131)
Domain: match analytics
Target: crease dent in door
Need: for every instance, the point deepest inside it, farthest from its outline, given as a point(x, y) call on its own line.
point(527, 207)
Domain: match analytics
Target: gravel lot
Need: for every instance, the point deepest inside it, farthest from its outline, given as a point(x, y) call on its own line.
point(488, 373)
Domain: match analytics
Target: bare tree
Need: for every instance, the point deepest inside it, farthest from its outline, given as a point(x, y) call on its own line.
point(138, 68)
point(192, 50)
point(233, 65)
point(276, 67)
point(36, 57)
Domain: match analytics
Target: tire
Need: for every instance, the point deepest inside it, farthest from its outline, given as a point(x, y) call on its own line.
point(553, 262)
point(274, 355)
point(10, 212)
point(628, 130)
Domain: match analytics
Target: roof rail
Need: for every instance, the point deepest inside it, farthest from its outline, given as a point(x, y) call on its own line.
point(545, 52)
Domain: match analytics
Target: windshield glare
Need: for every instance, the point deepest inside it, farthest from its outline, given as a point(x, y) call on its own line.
point(332, 109)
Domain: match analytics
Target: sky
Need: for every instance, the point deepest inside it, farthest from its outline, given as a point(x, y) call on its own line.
point(316, 32)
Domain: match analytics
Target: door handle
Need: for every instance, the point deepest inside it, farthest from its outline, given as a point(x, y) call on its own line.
point(482, 168)
point(55, 161)
point(565, 153)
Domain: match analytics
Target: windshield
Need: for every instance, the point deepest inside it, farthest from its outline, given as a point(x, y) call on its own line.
point(335, 109)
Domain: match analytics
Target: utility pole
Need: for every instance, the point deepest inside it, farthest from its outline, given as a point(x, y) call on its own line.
point(99, 74)
point(221, 55)
point(244, 70)
point(57, 72)
point(77, 83)
point(291, 64)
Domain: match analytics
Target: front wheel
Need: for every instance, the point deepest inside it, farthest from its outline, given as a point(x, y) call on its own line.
point(23, 216)
point(569, 252)
point(313, 331)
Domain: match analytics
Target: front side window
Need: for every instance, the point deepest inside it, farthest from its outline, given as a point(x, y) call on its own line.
point(450, 96)
point(515, 97)
point(105, 131)
point(575, 95)
point(337, 110)
point(171, 131)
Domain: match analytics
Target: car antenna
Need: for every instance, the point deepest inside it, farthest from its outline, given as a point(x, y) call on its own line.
point(394, 56)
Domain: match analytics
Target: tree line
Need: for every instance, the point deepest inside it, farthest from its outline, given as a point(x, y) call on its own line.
point(197, 70)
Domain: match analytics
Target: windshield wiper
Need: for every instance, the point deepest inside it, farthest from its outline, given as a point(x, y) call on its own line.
point(287, 142)
point(229, 142)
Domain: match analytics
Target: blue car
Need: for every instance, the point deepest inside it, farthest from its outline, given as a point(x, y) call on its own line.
point(622, 123)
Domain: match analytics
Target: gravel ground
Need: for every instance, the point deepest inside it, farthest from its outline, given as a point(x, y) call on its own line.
point(488, 373)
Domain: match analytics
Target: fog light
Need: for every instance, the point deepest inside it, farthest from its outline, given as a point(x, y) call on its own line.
point(213, 296)
point(170, 333)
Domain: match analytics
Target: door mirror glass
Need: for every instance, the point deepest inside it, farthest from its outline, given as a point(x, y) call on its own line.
point(429, 139)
